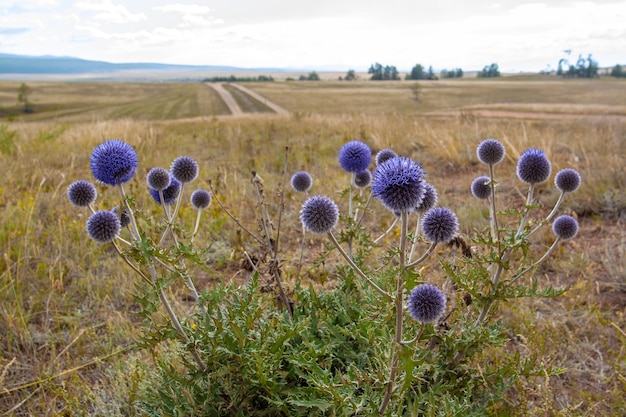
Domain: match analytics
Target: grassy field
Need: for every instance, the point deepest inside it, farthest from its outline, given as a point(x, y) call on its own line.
point(67, 315)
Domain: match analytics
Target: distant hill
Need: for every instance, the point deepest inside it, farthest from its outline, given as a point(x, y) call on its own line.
point(24, 64)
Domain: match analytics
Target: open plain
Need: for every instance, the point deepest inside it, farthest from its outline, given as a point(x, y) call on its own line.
point(67, 314)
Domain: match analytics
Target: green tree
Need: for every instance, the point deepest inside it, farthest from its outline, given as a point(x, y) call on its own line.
point(618, 71)
point(23, 94)
point(417, 73)
point(350, 75)
point(489, 71)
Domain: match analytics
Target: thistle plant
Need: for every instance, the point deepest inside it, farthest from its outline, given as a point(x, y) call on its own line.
point(114, 163)
point(394, 337)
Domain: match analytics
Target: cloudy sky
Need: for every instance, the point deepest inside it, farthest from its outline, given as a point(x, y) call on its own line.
point(319, 34)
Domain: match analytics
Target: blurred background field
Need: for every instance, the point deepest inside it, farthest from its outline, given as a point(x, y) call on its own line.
point(67, 316)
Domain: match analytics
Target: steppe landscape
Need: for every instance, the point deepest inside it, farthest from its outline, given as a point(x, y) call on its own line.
point(68, 316)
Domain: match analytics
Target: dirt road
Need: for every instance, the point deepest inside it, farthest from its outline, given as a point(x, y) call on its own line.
point(232, 105)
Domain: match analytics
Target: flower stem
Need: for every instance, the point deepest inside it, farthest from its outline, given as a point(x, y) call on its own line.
point(356, 269)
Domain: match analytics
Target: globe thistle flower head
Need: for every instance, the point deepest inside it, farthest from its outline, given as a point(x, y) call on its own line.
point(384, 155)
point(567, 180)
point(82, 193)
point(200, 199)
point(301, 181)
point(426, 303)
point(533, 166)
point(113, 162)
point(398, 183)
point(158, 178)
point(122, 215)
point(430, 199)
point(490, 151)
point(319, 214)
point(170, 194)
point(565, 227)
point(184, 169)
point(363, 178)
point(355, 156)
point(440, 225)
point(103, 226)
point(481, 188)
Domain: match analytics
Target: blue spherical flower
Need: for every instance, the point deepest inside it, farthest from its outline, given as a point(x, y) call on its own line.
point(170, 194)
point(426, 303)
point(481, 188)
point(301, 181)
point(440, 225)
point(430, 199)
point(158, 178)
point(363, 178)
point(122, 215)
point(113, 162)
point(319, 214)
point(184, 169)
point(533, 166)
point(103, 226)
point(200, 199)
point(355, 156)
point(565, 227)
point(490, 151)
point(384, 155)
point(567, 180)
point(398, 183)
point(81, 193)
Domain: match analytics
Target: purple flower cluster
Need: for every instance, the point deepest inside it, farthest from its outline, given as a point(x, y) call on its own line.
point(355, 156)
point(319, 214)
point(113, 162)
point(301, 181)
point(440, 225)
point(398, 184)
point(533, 166)
point(426, 303)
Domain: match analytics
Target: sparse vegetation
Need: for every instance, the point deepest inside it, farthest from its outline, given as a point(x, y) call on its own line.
point(69, 315)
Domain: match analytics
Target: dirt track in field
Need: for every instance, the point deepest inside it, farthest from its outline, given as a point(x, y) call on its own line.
point(233, 106)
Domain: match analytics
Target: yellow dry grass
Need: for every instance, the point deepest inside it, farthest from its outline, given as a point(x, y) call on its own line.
point(65, 301)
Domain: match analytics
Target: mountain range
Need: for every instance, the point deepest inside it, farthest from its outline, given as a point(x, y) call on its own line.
point(47, 65)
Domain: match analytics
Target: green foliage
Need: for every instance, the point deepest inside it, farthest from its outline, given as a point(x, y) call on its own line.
point(418, 72)
point(453, 73)
point(584, 68)
point(311, 76)
point(379, 73)
point(618, 72)
point(23, 97)
point(489, 71)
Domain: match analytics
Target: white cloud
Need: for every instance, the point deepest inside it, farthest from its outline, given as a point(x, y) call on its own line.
point(184, 8)
point(109, 12)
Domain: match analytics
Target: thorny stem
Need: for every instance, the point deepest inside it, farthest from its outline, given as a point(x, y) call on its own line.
point(356, 269)
point(493, 214)
point(540, 260)
point(175, 322)
point(399, 314)
point(550, 216)
point(367, 204)
point(135, 230)
point(424, 256)
point(387, 231)
point(415, 236)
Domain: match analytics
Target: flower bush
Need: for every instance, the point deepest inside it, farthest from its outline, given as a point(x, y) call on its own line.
point(389, 338)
